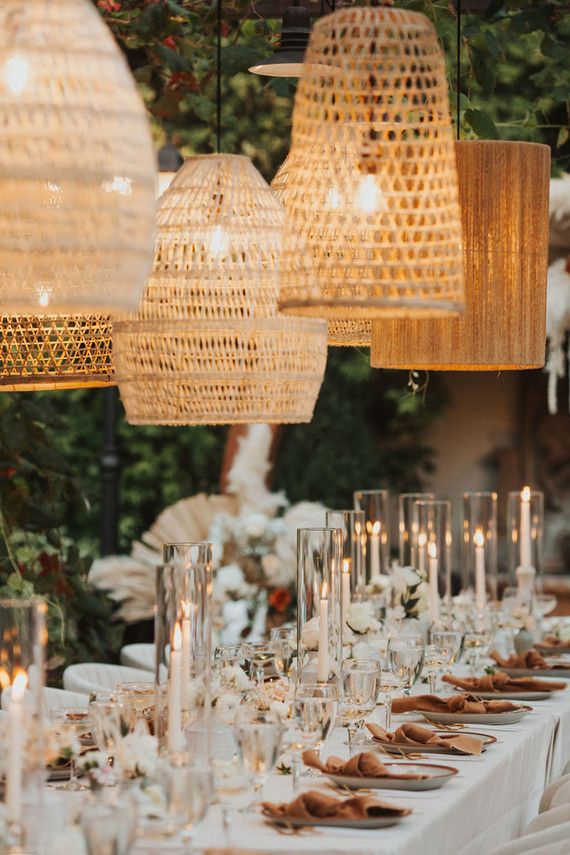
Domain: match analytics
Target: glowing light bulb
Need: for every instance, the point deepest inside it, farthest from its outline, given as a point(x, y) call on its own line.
point(369, 197)
point(219, 241)
point(16, 73)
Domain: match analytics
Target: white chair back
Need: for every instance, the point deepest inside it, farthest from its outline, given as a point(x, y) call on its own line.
point(138, 656)
point(88, 677)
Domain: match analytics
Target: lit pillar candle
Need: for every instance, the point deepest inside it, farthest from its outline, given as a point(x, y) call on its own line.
point(16, 736)
point(525, 537)
point(175, 738)
point(186, 642)
point(345, 587)
point(422, 540)
point(375, 549)
point(480, 587)
point(323, 660)
point(433, 591)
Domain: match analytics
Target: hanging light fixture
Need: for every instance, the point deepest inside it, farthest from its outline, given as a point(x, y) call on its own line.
point(287, 59)
point(504, 203)
point(208, 345)
point(77, 174)
point(376, 128)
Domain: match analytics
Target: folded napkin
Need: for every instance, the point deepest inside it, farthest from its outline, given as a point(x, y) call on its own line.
point(551, 640)
point(501, 682)
point(365, 765)
point(417, 734)
point(314, 805)
point(530, 660)
point(460, 704)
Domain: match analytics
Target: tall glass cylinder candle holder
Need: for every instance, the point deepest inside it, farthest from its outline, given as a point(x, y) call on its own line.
point(479, 547)
point(525, 524)
point(319, 634)
point(22, 644)
point(352, 580)
point(376, 507)
point(183, 642)
point(406, 503)
point(432, 540)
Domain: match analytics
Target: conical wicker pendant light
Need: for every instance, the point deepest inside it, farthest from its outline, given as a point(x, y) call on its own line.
point(504, 203)
point(77, 174)
point(208, 345)
point(378, 128)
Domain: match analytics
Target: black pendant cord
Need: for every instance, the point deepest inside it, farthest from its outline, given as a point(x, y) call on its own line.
point(219, 78)
point(458, 76)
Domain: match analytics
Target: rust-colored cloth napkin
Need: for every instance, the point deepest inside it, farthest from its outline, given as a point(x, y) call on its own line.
point(365, 765)
point(551, 640)
point(460, 704)
point(501, 682)
point(531, 660)
point(417, 734)
point(313, 805)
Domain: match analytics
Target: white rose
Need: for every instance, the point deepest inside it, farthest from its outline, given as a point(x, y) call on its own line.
point(360, 618)
point(379, 583)
point(280, 709)
point(270, 564)
point(226, 706)
point(229, 578)
point(235, 678)
point(310, 634)
point(255, 525)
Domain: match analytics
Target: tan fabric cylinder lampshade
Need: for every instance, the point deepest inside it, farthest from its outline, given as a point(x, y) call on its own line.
point(77, 166)
point(504, 202)
point(55, 352)
point(208, 345)
point(374, 190)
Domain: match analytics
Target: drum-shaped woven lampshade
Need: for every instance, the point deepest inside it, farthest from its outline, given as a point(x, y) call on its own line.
point(208, 345)
point(55, 352)
point(377, 130)
point(504, 202)
point(77, 167)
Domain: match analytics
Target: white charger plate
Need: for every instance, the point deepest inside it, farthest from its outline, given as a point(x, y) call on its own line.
point(437, 777)
point(477, 718)
point(404, 748)
point(563, 673)
point(514, 696)
point(371, 822)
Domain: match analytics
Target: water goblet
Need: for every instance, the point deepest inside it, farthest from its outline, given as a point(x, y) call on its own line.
point(230, 777)
point(282, 642)
point(229, 654)
point(450, 639)
point(389, 688)
point(315, 708)
point(406, 657)
point(436, 656)
point(259, 656)
point(258, 737)
point(105, 715)
point(476, 643)
point(360, 687)
point(71, 727)
point(187, 788)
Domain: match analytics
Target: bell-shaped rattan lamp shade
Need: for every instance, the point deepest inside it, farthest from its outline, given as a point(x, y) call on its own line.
point(504, 201)
point(377, 129)
point(208, 345)
point(77, 167)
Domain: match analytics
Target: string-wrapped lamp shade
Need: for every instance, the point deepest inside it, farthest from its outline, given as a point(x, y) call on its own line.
point(208, 345)
point(504, 203)
point(376, 126)
point(77, 171)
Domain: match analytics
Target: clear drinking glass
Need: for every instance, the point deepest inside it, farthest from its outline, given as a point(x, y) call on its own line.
point(230, 654)
point(477, 643)
point(360, 688)
point(71, 727)
point(283, 643)
point(390, 686)
point(187, 788)
point(436, 657)
point(258, 737)
point(450, 639)
point(105, 717)
point(406, 658)
point(316, 706)
point(259, 659)
point(231, 778)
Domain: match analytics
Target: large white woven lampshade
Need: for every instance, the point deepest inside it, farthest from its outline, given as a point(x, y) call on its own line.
point(504, 203)
point(208, 345)
point(377, 128)
point(77, 172)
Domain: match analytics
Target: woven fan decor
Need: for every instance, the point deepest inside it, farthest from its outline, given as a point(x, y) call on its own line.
point(375, 185)
point(77, 167)
point(504, 201)
point(208, 345)
point(55, 352)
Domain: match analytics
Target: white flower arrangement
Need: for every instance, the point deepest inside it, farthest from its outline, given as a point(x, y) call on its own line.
point(310, 634)
point(99, 772)
point(137, 753)
point(360, 618)
point(409, 590)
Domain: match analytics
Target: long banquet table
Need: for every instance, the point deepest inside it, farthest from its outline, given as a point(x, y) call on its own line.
point(488, 803)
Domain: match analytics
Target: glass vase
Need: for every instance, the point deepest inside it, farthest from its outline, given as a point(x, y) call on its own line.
point(319, 636)
point(183, 642)
point(351, 525)
point(22, 645)
point(479, 547)
point(525, 525)
point(376, 507)
point(406, 502)
point(431, 550)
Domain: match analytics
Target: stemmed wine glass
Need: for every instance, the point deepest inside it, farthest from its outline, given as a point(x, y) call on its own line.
point(389, 688)
point(71, 726)
point(315, 707)
point(231, 778)
point(258, 738)
point(282, 642)
point(406, 658)
point(449, 638)
point(360, 687)
point(436, 656)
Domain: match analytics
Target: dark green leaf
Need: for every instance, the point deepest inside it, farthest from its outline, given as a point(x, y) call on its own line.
point(482, 124)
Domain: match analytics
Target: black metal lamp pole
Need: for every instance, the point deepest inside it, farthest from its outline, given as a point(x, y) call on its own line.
point(110, 468)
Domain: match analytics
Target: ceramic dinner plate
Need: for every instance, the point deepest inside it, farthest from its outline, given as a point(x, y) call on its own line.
point(478, 718)
point(514, 696)
point(370, 822)
point(404, 748)
point(436, 777)
point(563, 673)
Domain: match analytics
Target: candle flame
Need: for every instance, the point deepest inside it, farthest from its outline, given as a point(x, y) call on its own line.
point(345, 565)
point(4, 679)
point(19, 685)
point(525, 494)
point(479, 538)
point(186, 608)
point(177, 637)
point(376, 527)
point(432, 550)
point(324, 590)
point(422, 538)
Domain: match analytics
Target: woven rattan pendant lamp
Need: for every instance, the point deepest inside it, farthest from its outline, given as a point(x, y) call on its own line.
point(377, 127)
point(504, 202)
point(77, 173)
